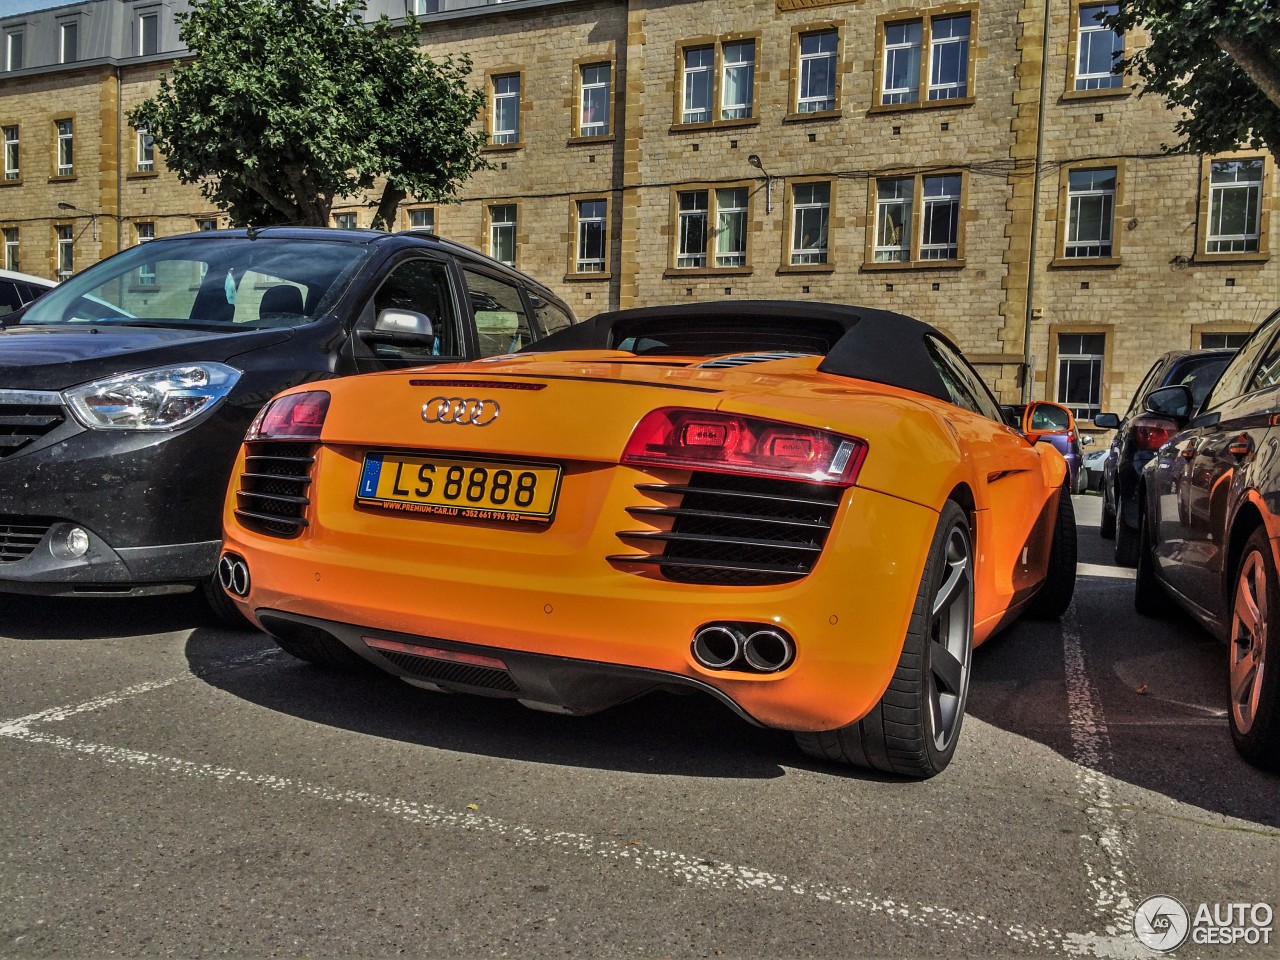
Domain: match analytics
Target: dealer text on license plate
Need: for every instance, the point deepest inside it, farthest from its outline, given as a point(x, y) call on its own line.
point(465, 489)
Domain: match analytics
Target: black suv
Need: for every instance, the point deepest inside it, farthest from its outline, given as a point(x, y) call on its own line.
point(1141, 434)
point(126, 390)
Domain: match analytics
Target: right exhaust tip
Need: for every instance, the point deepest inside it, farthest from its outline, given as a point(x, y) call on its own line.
point(768, 651)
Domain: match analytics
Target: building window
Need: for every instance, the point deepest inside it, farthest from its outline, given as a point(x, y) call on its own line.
point(66, 251)
point(146, 151)
point(593, 234)
point(69, 42)
point(502, 233)
point(945, 73)
point(810, 222)
point(940, 222)
point(11, 169)
point(691, 234)
point(738, 84)
point(66, 147)
point(699, 64)
point(1097, 48)
point(593, 118)
point(419, 7)
point(1080, 360)
point(147, 272)
point(1213, 341)
point(148, 34)
point(931, 201)
point(345, 221)
point(422, 218)
point(817, 71)
point(1091, 199)
point(506, 109)
point(894, 203)
point(206, 223)
point(1235, 202)
point(731, 227)
point(13, 50)
point(11, 248)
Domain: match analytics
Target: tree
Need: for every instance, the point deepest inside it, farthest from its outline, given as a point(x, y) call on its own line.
point(1219, 60)
point(291, 104)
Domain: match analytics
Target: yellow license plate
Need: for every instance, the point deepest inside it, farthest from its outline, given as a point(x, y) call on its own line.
point(465, 489)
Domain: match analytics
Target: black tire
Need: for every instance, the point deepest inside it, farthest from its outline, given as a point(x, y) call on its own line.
point(222, 607)
point(1060, 578)
point(1149, 598)
point(1107, 529)
point(914, 729)
point(1254, 693)
point(1128, 543)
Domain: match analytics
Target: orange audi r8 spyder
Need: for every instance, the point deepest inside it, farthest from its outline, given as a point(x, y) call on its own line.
point(811, 512)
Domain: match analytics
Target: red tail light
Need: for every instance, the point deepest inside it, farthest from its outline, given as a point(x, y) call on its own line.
point(725, 443)
point(297, 416)
point(1154, 434)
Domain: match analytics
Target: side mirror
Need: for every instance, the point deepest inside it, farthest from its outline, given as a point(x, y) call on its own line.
point(1042, 419)
point(403, 327)
point(1173, 402)
point(1107, 421)
point(1086, 440)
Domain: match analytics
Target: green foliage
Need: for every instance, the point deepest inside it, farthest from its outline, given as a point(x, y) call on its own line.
point(1223, 95)
point(291, 104)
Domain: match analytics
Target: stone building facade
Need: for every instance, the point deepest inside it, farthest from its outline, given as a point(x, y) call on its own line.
point(972, 163)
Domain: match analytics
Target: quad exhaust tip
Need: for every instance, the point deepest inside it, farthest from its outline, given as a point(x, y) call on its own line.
point(754, 648)
point(233, 574)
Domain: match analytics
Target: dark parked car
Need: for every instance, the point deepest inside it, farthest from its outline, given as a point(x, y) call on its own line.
point(126, 390)
point(19, 289)
point(1209, 527)
point(1140, 434)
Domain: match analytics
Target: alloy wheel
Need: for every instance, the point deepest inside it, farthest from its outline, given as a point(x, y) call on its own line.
point(1248, 646)
point(951, 640)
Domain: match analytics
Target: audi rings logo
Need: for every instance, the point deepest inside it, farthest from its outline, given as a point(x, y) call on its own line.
point(468, 412)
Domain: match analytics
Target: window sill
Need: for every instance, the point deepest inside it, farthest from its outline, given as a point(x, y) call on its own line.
point(581, 277)
point(677, 272)
point(714, 125)
point(893, 266)
point(1258, 256)
point(1110, 93)
point(144, 288)
point(588, 141)
point(835, 114)
point(141, 175)
point(64, 178)
point(922, 105)
point(502, 147)
point(1078, 263)
point(11, 183)
point(827, 267)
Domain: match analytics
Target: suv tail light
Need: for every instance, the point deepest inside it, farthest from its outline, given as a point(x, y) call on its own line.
point(295, 416)
point(727, 443)
point(1153, 434)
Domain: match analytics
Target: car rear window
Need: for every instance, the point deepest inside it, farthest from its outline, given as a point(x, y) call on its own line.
point(218, 283)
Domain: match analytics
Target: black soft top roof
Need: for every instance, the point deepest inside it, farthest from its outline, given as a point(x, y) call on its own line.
point(859, 342)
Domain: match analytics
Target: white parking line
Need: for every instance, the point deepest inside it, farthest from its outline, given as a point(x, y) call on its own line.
point(1105, 570)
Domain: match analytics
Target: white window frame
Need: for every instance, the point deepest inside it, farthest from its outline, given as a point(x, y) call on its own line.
point(1097, 369)
point(346, 220)
point(595, 128)
point(68, 28)
point(66, 250)
point(928, 201)
point(899, 250)
point(690, 112)
point(206, 223)
point(505, 99)
point(738, 109)
point(500, 229)
point(12, 39)
point(430, 215)
point(731, 205)
point(819, 252)
point(146, 232)
point(12, 152)
point(66, 130)
point(951, 90)
point(690, 256)
point(420, 7)
point(144, 17)
point(1087, 29)
point(1104, 245)
point(911, 92)
point(810, 102)
point(11, 249)
point(592, 213)
point(1247, 241)
point(146, 151)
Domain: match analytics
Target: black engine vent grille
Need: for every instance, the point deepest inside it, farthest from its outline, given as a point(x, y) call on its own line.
point(447, 671)
point(20, 535)
point(21, 424)
point(272, 497)
point(733, 530)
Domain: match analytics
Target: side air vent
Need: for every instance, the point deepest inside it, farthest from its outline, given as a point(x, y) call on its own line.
point(20, 535)
point(743, 531)
point(743, 359)
point(21, 424)
point(272, 497)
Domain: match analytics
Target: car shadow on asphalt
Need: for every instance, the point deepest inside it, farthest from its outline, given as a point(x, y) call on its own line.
point(25, 617)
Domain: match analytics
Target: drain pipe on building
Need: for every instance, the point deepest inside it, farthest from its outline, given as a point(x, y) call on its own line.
point(1029, 374)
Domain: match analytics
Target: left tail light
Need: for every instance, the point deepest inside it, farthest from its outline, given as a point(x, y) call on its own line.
point(727, 443)
point(295, 416)
point(1153, 434)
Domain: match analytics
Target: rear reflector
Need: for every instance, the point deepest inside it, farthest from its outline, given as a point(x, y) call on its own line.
point(435, 653)
point(727, 443)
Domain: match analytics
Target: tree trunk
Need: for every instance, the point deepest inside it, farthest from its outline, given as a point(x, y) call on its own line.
point(1258, 63)
point(385, 217)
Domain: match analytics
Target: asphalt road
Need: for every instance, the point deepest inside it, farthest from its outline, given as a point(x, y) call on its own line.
point(174, 789)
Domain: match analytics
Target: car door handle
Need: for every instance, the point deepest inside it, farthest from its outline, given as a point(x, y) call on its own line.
point(1241, 446)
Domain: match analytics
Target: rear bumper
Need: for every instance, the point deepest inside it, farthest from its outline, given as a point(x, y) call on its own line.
point(848, 617)
point(105, 571)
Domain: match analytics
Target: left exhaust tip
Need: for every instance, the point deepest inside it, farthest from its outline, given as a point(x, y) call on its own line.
point(233, 574)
